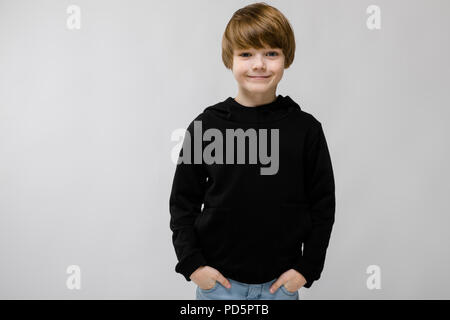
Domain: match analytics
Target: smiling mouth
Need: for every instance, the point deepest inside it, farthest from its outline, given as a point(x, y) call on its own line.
point(259, 77)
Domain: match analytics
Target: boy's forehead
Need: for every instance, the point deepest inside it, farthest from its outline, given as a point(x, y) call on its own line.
point(256, 49)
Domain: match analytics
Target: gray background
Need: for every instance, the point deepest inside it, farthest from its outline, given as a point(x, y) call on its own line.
point(86, 118)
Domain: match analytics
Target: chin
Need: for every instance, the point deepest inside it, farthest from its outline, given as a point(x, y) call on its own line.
point(261, 88)
point(256, 87)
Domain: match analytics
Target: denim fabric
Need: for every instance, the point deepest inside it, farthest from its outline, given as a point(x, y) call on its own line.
point(244, 291)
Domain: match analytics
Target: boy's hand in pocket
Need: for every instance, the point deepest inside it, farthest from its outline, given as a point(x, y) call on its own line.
point(205, 277)
point(291, 279)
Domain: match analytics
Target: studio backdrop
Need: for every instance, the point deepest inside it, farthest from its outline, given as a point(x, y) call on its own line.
point(91, 93)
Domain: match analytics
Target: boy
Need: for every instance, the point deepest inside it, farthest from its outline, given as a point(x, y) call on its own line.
point(246, 241)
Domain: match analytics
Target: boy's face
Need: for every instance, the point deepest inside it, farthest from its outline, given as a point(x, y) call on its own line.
point(258, 70)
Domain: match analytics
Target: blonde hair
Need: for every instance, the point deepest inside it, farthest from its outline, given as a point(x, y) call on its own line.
point(256, 26)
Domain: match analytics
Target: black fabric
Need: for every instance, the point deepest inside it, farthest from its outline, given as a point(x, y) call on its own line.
point(249, 226)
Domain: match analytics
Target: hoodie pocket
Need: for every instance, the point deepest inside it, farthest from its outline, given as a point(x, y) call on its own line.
point(212, 231)
point(265, 234)
point(295, 226)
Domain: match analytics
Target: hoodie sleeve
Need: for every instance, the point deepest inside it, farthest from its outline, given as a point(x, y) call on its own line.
point(186, 198)
point(320, 189)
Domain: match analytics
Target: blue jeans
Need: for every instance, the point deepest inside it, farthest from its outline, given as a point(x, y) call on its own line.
point(244, 291)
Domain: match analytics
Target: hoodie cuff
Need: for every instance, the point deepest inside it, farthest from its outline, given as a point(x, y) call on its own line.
point(190, 264)
point(302, 266)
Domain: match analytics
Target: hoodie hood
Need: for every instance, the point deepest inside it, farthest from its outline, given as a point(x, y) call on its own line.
point(231, 110)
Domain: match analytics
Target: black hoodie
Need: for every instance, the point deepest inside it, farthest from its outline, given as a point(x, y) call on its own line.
point(252, 224)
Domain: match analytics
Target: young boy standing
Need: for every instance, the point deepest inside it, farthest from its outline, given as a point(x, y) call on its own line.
point(263, 199)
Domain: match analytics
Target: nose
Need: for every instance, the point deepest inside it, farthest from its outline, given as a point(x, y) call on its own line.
point(258, 63)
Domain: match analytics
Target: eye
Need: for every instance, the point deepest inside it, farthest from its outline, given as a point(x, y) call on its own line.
point(269, 53)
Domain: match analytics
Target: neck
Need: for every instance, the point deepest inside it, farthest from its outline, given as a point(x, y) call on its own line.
point(255, 99)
